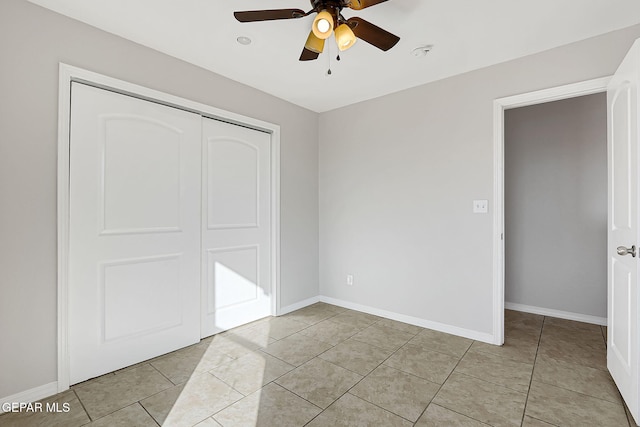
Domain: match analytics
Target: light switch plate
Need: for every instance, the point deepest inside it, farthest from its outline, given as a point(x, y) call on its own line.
point(480, 206)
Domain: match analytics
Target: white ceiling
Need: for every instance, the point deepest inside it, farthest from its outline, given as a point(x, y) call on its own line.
point(467, 34)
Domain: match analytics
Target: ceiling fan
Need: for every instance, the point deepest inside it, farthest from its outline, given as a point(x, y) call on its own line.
point(329, 20)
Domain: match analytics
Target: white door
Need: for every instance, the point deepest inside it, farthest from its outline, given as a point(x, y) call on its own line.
point(622, 346)
point(236, 224)
point(134, 285)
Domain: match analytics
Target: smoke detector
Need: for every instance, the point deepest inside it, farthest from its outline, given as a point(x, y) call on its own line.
point(422, 50)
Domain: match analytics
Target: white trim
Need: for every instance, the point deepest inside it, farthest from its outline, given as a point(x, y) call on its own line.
point(499, 106)
point(31, 395)
point(64, 114)
point(298, 305)
point(67, 74)
point(441, 327)
point(275, 220)
point(572, 90)
point(568, 315)
point(498, 223)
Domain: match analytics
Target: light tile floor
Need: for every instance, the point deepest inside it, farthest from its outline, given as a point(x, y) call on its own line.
point(328, 366)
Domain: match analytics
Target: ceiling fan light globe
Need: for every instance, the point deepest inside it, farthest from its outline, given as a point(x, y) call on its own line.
point(323, 25)
point(314, 44)
point(345, 37)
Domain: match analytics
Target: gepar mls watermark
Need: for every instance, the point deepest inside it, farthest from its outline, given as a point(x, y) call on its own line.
point(51, 407)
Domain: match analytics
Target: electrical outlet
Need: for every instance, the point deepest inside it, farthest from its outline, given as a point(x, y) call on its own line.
point(480, 206)
point(350, 279)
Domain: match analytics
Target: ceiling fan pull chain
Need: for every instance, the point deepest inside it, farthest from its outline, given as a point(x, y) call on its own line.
point(329, 60)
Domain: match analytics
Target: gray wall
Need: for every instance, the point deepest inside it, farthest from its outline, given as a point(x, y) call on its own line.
point(398, 175)
point(556, 205)
point(33, 41)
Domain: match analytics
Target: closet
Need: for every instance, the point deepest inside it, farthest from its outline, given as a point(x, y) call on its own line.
point(169, 229)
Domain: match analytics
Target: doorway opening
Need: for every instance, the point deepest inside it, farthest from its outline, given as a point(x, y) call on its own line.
point(500, 105)
point(556, 209)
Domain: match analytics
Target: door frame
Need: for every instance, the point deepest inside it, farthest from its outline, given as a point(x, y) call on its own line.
point(558, 93)
point(69, 74)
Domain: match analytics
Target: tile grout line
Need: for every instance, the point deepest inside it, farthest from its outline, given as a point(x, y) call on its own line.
point(273, 381)
point(284, 361)
point(161, 391)
point(535, 359)
point(318, 356)
point(506, 359)
point(408, 373)
point(296, 394)
point(543, 421)
point(584, 394)
point(445, 381)
point(232, 387)
point(306, 361)
point(118, 409)
point(565, 362)
point(328, 343)
point(361, 342)
point(341, 341)
point(82, 405)
point(460, 360)
point(145, 409)
point(306, 400)
point(496, 383)
point(132, 403)
point(229, 405)
point(167, 378)
point(455, 412)
point(433, 350)
point(366, 376)
point(363, 377)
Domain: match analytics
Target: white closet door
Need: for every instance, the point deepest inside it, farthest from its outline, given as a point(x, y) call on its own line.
point(134, 286)
point(236, 221)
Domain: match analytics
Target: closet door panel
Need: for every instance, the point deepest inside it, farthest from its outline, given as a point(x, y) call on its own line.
point(236, 245)
point(135, 188)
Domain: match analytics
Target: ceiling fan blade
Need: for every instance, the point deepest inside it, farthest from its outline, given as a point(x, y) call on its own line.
point(361, 4)
point(308, 55)
point(372, 34)
point(268, 15)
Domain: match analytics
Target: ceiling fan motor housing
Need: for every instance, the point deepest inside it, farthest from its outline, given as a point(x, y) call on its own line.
point(334, 7)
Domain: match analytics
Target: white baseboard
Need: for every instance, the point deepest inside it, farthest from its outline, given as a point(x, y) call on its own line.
point(298, 305)
point(586, 318)
point(31, 395)
point(436, 326)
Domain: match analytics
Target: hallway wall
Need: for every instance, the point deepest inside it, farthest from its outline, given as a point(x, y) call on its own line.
point(556, 205)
